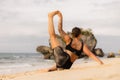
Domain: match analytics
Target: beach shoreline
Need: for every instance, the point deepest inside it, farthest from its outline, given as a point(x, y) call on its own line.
point(85, 71)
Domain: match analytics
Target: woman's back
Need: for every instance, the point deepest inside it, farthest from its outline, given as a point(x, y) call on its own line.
point(75, 46)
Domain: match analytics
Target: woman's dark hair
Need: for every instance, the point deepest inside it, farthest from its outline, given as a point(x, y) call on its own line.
point(76, 32)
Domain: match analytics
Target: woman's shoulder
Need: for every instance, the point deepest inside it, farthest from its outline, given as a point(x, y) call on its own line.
point(67, 39)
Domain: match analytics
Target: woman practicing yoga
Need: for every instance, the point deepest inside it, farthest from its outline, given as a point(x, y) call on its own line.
point(64, 58)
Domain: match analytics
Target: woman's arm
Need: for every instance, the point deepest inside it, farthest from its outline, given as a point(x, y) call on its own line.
point(53, 68)
point(90, 54)
point(63, 34)
point(60, 25)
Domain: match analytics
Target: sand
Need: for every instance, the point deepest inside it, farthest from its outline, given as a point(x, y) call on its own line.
point(85, 71)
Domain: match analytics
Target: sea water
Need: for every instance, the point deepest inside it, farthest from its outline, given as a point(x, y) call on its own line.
point(21, 62)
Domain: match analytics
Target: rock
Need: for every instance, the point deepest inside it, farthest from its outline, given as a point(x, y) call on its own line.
point(90, 41)
point(87, 37)
point(111, 55)
point(46, 51)
point(98, 52)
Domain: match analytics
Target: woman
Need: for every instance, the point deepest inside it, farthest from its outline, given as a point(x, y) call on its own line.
point(65, 58)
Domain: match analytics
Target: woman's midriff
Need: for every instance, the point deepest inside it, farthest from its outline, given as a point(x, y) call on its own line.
point(73, 57)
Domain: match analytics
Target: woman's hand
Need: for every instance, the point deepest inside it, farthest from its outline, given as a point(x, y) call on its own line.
point(101, 63)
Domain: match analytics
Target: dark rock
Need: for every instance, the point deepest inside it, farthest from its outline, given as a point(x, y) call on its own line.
point(98, 52)
point(111, 55)
point(90, 41)
point(46, 51)
point(87, 37)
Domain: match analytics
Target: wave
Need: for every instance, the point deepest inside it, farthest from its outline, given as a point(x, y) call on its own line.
point(15, 65)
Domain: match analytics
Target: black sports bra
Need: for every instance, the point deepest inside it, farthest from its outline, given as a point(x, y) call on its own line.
point(77, 52)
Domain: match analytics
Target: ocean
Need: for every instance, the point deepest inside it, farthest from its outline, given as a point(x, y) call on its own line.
point(21, 62)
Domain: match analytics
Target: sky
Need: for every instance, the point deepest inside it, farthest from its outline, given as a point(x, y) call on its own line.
point(24, 23)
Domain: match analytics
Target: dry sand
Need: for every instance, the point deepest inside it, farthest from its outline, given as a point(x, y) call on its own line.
point(85, 71)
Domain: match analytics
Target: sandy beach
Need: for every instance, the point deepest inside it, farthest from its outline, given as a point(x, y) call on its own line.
point(85, 71)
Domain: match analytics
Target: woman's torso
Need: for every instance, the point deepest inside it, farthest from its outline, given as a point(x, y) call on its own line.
point(74, 49)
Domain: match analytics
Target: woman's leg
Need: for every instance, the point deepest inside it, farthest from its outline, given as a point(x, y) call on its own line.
point(51, 30)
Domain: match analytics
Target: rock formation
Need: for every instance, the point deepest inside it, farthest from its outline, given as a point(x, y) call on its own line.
point(87, 37)
point(99, 52)
point(46, 51)
point(111, 55)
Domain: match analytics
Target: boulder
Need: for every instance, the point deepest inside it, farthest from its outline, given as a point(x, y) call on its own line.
point(111, 55)
point(98, 52)
point(87, 37)
point(90, 41)
point(46, 51)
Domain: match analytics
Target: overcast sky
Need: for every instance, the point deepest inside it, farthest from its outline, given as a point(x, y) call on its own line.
point(23, 23)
